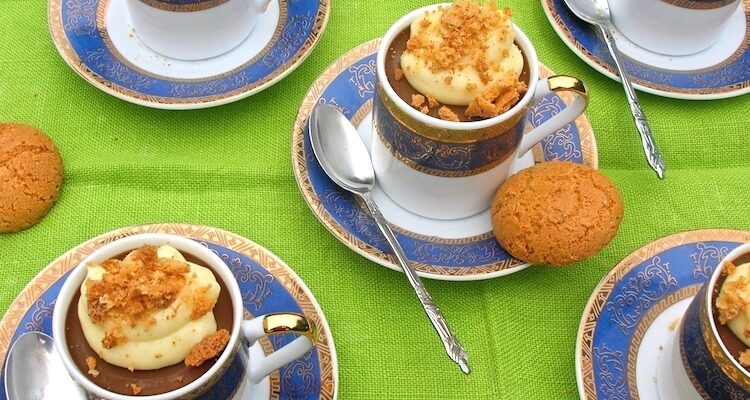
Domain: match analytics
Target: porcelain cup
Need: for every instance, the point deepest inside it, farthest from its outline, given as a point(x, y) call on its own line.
point(673, 27)
point(243, 329)
point(451, 170)
point(697, 365)
point(194, 29)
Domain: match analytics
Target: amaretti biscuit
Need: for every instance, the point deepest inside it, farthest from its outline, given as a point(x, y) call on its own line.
point(31, 173)
point(556, 213)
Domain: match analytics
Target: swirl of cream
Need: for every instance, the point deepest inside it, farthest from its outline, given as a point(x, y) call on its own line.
point(463, 81)
point(170, 337)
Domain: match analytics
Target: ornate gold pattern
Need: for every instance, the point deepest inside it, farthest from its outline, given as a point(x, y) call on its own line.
point(377, 130)
point(299, 164)
point(444, 135)
point(570, 39)
point(699, 5)
point(595, 305)
point(101, 23)
point(74, 61)
point(198, 6)
point(643, 326)
point(283, 274)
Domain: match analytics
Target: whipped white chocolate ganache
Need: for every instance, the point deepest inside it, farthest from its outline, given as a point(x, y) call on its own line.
point(148, 310)
point(465, 55)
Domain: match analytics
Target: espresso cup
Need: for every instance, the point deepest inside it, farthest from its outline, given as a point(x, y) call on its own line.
point(698, 364)
point(673, 27)
point(450, 170)
point(194, 29)
point(256, 369)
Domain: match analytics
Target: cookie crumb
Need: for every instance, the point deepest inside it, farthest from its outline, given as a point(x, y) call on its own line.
point(136, 389)
point(209, 347)
point(744, 358)
point(432, 102)
point(730, 303)
point(447, 114)
point(399, 74)
point(417, 100)
point(91, 364)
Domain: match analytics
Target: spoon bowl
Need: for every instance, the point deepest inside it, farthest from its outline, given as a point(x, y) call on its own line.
point(591, 11)
point(35, 371)
point(343, 156)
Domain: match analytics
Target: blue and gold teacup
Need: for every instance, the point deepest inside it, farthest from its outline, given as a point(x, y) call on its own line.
point(194, 29)
point(699, 364)
point(450, 170)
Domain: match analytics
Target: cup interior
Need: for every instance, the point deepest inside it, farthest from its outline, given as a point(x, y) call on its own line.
point(741, 253)
point(118, 248)
point(522, 41)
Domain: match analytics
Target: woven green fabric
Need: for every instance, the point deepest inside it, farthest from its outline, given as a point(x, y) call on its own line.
point(230, 167)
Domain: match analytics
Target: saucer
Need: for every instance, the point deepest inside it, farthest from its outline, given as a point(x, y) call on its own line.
point(633, 312)
point(463, 249)
point(97, 40)
point(268, 285)
point(721, 71)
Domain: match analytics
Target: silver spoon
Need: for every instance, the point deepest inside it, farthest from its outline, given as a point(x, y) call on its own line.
point(345, 159)
point(596, 12)
point(34, 371)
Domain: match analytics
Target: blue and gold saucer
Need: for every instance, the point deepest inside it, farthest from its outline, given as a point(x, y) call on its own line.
point(721, 71)
point(97, 40)
point(267, 285)
point(630, 319)
point(462, 249)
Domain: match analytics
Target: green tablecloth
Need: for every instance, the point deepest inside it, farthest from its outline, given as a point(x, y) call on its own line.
point(230, 167)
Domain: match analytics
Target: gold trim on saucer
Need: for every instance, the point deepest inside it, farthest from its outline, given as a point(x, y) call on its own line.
point(101, 23)
point(299, 164)
point(57, 31)
point(600, 296)
point(669, 91)
point(283, 274)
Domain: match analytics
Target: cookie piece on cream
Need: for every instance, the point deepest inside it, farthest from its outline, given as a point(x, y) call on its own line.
point(464, 54)
point(148, 310)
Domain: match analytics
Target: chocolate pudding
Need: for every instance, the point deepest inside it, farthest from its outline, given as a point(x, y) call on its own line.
point(148, 382)
point(405, 91)
point(459, 62)
point(734, 345)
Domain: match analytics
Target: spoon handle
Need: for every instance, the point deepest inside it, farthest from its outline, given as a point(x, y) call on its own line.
point(654, 157)
point(454, 349)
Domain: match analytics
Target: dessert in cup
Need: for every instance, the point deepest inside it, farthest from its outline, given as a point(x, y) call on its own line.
point(161, 316)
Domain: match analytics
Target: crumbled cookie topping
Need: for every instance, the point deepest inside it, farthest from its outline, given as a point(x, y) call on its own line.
point(132, 288)
point(209, 347)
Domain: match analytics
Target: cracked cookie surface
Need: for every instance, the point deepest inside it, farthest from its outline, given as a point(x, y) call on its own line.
point(556, 213)
point(31, 173)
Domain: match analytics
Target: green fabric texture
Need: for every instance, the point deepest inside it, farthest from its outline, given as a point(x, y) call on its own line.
point(230, 167)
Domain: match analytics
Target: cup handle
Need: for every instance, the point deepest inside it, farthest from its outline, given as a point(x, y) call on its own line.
point(546, 86)
point(261, 5)
point(271, 324)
